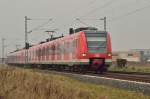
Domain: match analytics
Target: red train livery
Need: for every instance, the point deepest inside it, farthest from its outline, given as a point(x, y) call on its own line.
point(83, 49)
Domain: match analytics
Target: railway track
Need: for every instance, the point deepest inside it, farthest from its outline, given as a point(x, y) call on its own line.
point(136, 73)
point(138, 77)
point(133, 82)
point(131, 77)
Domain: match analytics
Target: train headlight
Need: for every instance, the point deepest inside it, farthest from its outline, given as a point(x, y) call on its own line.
point(109, 54)
point(84, 54)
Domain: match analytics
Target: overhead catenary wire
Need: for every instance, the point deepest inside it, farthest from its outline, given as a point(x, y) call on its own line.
point(79, 8)
point(129, 13)
point(85, 6)
point(72, 23)
point(40, 26)
point(82, 22)
point(93, 11)
point(96, 19)
point(99, 8)
point(39, 19)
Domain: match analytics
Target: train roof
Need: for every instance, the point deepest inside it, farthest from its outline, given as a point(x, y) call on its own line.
point(76, 31)
point(93, 31)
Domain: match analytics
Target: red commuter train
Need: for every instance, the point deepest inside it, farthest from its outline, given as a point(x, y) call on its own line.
point(83, 49)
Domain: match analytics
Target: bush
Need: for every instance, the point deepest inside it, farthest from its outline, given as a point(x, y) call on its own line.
point(121, 62)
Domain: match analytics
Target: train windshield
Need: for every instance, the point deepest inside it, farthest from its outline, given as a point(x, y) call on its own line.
point(96, 42)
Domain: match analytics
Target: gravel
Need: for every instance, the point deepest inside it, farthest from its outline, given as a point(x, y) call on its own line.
point(123, 84)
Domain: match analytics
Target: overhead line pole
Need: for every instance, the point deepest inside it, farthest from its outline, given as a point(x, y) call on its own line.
point(26, 36)
point(105, 23)
point(104, 19)
point(26, 39)
point(3, 49)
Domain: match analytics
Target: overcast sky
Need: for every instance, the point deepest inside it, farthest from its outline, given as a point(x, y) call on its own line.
point(128, 20)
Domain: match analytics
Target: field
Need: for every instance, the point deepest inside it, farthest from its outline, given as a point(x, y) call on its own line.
point(18, 83)
point(144, 68)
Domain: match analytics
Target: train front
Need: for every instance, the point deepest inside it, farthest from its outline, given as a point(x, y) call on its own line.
point(99, 50)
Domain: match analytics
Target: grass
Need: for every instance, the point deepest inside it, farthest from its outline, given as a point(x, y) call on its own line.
point(28, 84)
point(142, 69)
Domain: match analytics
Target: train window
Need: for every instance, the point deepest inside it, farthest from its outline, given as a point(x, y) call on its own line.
point(36, 52)
point(69, 47)
point(50, 49)
point(32, 54)
point(46, 50)
point(64, 51)
point(75, 43)
point(66, 48)
point(61, 48)
point(96, 42)
point(53, 48)
point(56, 49)
point(49, 52)
point(42, 51)
point(39, 52)
point(72, 47)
